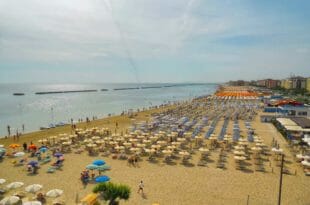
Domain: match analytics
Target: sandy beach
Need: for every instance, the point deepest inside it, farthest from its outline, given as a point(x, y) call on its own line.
point(171, 183)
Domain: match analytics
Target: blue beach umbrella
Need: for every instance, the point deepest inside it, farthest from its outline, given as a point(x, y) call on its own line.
point(43, 149)
point(58, 154)
point(98, 162)
point(91, 167)
point(33, 163)
point(102, 179)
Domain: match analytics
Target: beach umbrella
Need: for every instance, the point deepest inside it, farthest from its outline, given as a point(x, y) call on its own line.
point(67, 143)
point(103, 167)
point(300, 156)
point(15, 185)
point(98, 162)
point(32, 146)
point(240, 158)
point(100, 142)
point(305, 163)
point(101, 179)
point(181, 139)
point(184, 153)
point(134, 149)
point(161, 142)
point(19, 154)
point(54, 193)
point(119, 147)
point(2, 181)
point(33, 188)
point(32, 203)
point(10, 200)
point(95, 138)
point(168, 152)
point(203, 150)
point(58, 154)
point(43, 149)
point(277, 150)
point(176, 143)
point(239, 153)
point(141, 145)
point(149, 150)
point(91, 167)
point(91, 145)
point(33, 163)
point(127, 144)
point(13, 146)
point(256, 148)
point(2, 150)
point(1, 146)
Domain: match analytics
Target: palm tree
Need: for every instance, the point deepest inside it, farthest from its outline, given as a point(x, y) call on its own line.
point(111, 192)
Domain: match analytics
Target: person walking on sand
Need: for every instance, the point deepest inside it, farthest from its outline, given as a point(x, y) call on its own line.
point(140, 188)
point(9, 130)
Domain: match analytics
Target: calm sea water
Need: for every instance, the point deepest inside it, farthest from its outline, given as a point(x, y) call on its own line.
point(35, 111)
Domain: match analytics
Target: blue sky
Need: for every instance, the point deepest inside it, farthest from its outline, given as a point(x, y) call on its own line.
point(153, 41)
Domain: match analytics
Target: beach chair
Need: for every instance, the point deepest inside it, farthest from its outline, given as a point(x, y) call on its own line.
point(50, 170)
point(46, 160)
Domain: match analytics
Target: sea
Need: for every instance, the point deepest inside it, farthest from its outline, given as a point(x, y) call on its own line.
point(35, 111)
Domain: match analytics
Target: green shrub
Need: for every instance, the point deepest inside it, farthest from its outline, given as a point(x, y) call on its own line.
point(111, 192)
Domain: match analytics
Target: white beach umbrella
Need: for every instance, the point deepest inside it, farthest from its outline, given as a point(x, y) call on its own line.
point(32, 203)
point(300, 156)
point(10, 200)
point(181, 139)
point(203, 150)
point(54, 193)
point(305, 163)
point(239, 153)
point(2, 181)
point(256, 148)
point(19, 154)
point(149, 150)
point(241, 158)
point(184, 153)
point(15, 185)
point(1, 145)
point(33, 188)
point(168, 152)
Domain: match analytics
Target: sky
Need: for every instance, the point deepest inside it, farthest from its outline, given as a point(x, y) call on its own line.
point(78, 41)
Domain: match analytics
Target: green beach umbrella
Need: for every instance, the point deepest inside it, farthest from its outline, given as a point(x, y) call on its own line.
point(91, 167)
point(103, 167)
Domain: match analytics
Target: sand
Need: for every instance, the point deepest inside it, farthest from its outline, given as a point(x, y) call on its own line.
point(171, 184)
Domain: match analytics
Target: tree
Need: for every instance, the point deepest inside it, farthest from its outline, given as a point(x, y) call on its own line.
point(111, 192)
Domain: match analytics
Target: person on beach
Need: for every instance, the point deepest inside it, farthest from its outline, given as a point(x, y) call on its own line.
point(9, 130)
point(25, 146)
point(140, 188)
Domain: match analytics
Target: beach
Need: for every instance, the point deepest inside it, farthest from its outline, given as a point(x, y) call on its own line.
point(174, 183)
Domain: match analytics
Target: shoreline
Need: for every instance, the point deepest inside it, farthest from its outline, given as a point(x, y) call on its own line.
point(36, 135)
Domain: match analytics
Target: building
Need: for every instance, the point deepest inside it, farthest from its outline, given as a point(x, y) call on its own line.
point(286, 83)
point(308, 84)
point(295, 111)
point(270, 83)
point(298, 82)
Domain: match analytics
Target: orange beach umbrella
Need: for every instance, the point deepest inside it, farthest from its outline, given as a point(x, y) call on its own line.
point(13, 146)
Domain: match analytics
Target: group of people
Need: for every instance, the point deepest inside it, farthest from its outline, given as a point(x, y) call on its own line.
point(17, 135)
